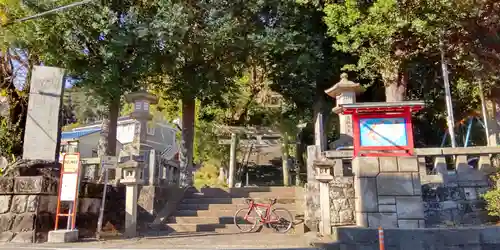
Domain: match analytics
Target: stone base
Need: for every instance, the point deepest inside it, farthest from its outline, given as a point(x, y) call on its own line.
point(63, 236)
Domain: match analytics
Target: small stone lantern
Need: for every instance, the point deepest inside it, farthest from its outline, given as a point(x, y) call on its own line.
point(132, 171)
point(323, 171)
point(141, 100)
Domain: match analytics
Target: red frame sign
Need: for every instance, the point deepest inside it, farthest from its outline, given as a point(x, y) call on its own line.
point(393, 121)
point(69, 182)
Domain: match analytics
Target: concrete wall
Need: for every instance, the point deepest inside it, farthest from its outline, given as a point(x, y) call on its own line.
point(416, 239)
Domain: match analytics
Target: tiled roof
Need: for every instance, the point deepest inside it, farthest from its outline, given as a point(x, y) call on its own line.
point(77, 134)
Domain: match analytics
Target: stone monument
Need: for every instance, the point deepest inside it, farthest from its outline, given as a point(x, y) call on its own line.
point(42, 130)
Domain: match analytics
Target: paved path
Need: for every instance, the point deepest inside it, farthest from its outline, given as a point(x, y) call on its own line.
point(181, 241)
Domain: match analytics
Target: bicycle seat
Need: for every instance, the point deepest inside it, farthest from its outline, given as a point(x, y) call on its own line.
point(273, 201)
point(248, 200)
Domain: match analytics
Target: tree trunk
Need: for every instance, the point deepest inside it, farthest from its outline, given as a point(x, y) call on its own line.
point(187, 142)
point(107, 139)
point(395, 82)
point(114, 112)
point(299, 157)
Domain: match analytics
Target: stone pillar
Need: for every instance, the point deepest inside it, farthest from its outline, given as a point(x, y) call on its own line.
point(43, 123)
point(312, 210)
point(388, 192)
point(232, 159)
point(493, 110)
point(345, 93)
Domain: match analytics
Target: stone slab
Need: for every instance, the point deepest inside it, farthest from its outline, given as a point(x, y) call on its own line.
point(5, 203)
point(366, 197)
point(395, 184)
point(365, 166)
point(387, 208)
point(408, 224)
point(23, 237)
point(6, 185)
point(63, 236)
point(386, 200)
point(384, 220)
point(417, 185)
point(6, 236)
point(19, 203)
point(388, 164)
point(407, 164)
point(410, 207)
point(43, 120)
point(33, 185)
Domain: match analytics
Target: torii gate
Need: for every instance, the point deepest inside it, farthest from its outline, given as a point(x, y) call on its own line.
point(260, 137)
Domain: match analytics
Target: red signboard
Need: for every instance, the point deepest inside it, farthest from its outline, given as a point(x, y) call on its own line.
point(382, 129)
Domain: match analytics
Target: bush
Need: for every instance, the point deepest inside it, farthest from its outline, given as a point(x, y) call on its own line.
point(492, 197)
point(208, 175)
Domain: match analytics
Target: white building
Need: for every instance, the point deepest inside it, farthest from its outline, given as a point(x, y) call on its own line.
point(85, 139)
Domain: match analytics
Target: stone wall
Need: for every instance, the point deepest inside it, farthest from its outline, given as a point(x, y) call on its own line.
point(342, 201)
point(487, 238)
point(388, 192)
point(453, 201)
point(21, 200)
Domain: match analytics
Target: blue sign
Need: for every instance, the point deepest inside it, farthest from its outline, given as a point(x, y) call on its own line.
point(383, 132)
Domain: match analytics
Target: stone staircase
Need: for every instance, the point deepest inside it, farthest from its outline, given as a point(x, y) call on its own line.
point(212, 209)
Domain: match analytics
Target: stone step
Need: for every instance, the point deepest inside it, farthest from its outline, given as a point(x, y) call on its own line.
point(233, 201)
point(212, 213)
point(252, 192)
point(234, 207)
point(201, 220)
point(218, 228)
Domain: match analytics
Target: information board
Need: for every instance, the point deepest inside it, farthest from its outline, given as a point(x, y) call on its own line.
point(68, 188)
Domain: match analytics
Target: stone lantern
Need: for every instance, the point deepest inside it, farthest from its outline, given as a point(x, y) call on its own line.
point(142, 101)
point(323, 171)
point(132, 171)
point(345, 93)
point(324, 176)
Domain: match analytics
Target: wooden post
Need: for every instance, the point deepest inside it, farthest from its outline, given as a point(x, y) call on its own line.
point(232, 159)
point(286, 172)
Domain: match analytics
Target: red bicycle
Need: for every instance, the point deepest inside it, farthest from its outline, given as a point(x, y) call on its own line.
point(279, 219)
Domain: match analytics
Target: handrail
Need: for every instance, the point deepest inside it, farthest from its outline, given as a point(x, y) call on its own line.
point(346, 154)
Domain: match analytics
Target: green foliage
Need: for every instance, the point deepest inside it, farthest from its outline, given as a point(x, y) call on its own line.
point(10, 139)
point(208, 175)
point(492, 198)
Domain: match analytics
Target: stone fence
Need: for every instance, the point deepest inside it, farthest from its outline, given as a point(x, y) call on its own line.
point(452, 181)
point(487, 238)
point(28, 205)
point(157, 171)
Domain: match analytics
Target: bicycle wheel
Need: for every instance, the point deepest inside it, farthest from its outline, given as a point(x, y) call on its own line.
point(282, 220)
point(245, 220)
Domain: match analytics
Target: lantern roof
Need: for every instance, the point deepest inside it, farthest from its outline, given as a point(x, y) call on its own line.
point(381, 107)
point(344, 85)
point(141, 95)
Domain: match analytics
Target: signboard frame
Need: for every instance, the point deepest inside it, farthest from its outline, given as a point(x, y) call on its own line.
point(72, 173)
